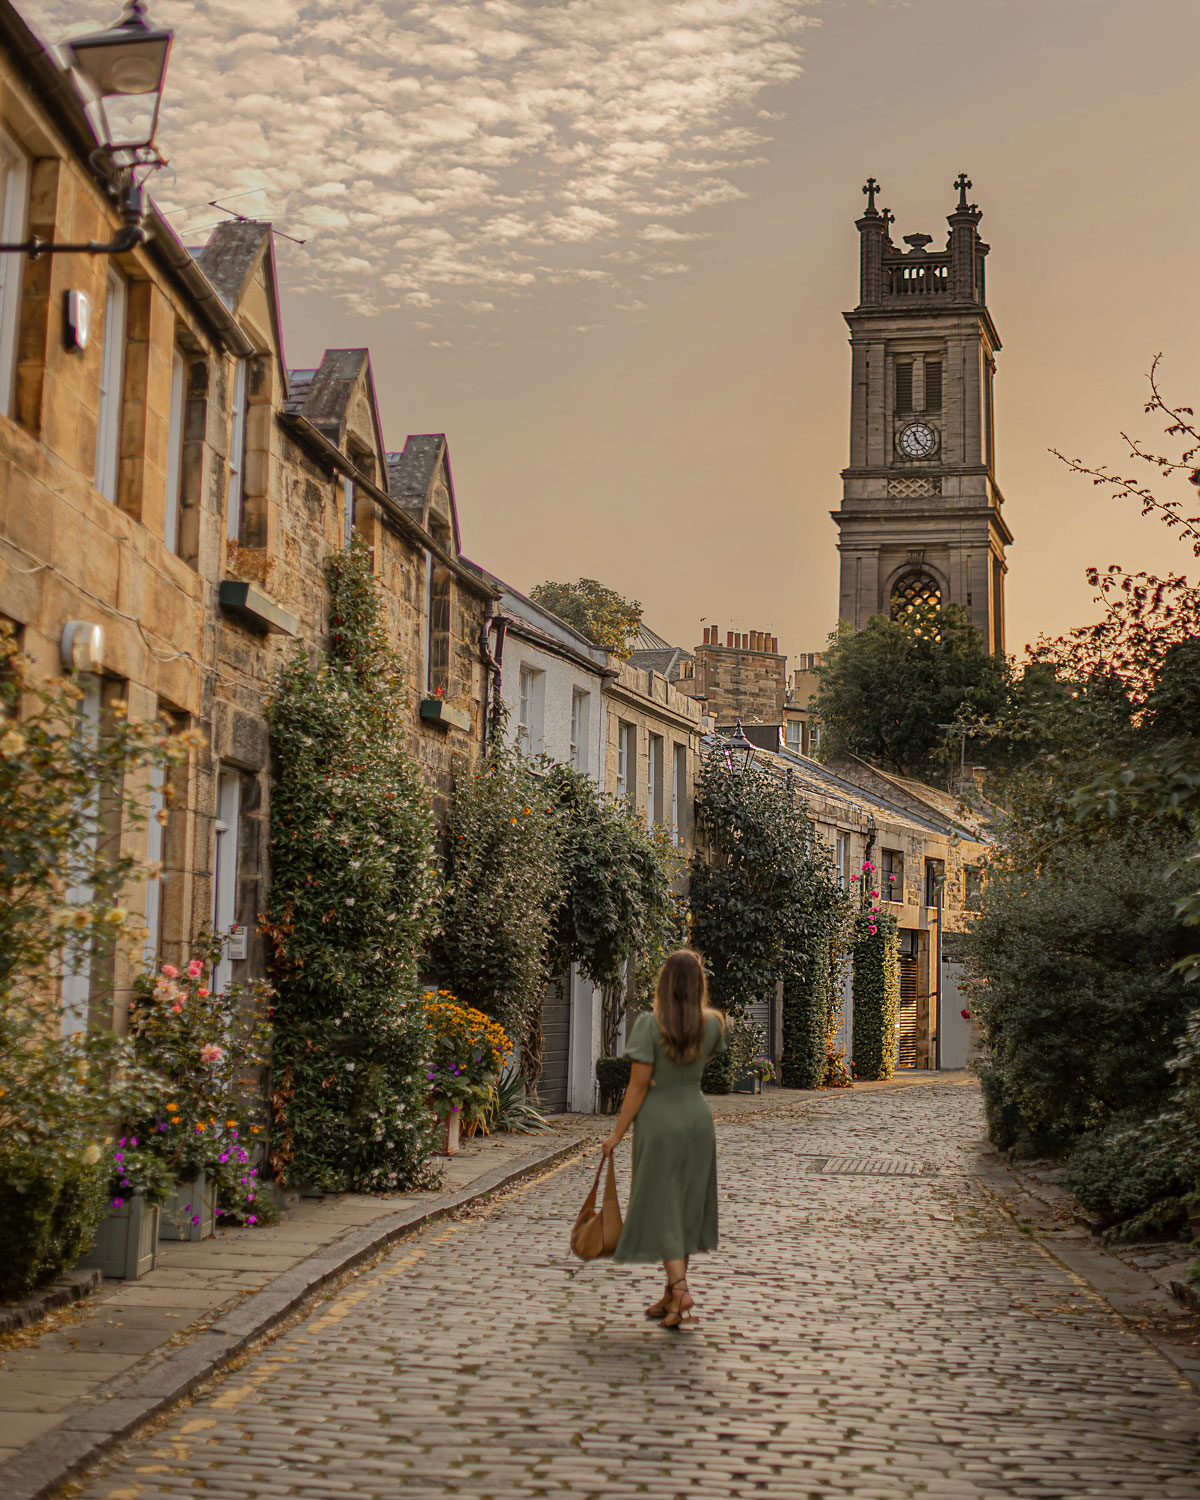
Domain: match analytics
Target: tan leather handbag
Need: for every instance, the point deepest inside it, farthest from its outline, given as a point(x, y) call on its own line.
point(597, 1230)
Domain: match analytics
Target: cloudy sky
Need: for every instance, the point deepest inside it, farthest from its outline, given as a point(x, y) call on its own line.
point(605, 244)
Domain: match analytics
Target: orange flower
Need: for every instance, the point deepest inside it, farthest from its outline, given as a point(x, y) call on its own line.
point(172, 1108)
point(526, 811)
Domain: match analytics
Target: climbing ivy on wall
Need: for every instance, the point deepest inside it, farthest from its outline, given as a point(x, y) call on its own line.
point(352, 904)
point(765, 906)
point(876, 991)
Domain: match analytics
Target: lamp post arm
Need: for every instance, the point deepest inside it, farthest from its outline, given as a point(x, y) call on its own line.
point(131, 234)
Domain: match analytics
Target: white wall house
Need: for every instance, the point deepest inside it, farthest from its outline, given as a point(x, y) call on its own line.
point(551, 681)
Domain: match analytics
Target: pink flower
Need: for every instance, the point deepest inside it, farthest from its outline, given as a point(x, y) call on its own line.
point(252, 1219)
point(872, 930)
point(178, 1006)
point(856, 877)
point(195, 969)
point(874, 895)
point(211, 1053)
point(170, 971)
point(204, 994)
point(965, 1014)
point(891, 877)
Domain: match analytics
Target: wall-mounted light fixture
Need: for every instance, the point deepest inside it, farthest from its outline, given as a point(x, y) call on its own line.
point(125, 60)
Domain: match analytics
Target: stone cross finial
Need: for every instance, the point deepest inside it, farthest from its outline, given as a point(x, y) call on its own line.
point(962, 182)
point(871, 188)
point(888, 216)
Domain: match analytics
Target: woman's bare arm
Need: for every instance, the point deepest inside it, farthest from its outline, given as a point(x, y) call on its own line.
point(635, 1096)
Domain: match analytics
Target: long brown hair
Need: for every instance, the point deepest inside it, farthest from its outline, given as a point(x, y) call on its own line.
point(681, 1005)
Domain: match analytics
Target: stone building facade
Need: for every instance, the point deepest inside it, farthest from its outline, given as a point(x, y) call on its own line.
point(921, 514)
point(170, 493)
point(744, 678)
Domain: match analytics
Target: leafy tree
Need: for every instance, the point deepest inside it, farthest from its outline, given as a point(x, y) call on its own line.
point(885, 691)
point(351, 906)
point(618, 901)
point(593, 609)
point(764, 905)
point(502, 889)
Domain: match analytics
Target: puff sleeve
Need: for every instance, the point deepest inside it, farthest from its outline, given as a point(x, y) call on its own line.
point(640, 1046)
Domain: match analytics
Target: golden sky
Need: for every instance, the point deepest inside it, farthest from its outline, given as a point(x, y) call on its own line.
point(604, 245)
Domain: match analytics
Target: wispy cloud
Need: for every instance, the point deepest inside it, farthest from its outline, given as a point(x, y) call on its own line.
point(466, 148)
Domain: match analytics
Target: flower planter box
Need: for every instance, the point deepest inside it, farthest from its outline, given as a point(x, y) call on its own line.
point(126, 1244)
point(751, 1083)
point(190, 1200)
point(438, 711)
point(448, 1134)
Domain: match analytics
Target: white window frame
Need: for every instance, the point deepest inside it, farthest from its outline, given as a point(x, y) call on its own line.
point(226, 837)
point(581, 718)
point(235, 496)
point(14, 204)
point(77, 966)
point(627, 762)
point(531, 703)
point(348, 518)
point(174, 452)
point(678, 793)
point(155, 843)
point(842, 859)
point(794, 742)
point(655, 769)
point(112, 377)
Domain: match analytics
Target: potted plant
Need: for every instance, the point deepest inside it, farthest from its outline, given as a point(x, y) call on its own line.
point(208, 1049)
point(467, 1053)
point(749, 1065)
point(139, 1183)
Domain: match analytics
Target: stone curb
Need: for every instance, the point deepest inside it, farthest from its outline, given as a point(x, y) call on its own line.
point(72, 1287)
point(101, 1421)
point(1123, 1287)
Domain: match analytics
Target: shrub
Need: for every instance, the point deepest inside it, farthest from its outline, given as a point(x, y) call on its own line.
point(48, 1217)
point(351, 906)
point(1117, 1174)
point(1071, 978)
point(612, 1074)
point(876, 993)
point(501, 892)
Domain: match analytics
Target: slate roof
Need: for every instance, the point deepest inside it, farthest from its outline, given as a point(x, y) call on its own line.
point(666, 662)
point(229, 256)
point(327, 399)
point(410, 472)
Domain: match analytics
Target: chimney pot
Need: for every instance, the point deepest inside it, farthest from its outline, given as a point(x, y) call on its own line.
point(729, 638)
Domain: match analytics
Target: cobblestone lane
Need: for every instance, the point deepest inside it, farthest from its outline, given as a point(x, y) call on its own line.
point(870, 1335)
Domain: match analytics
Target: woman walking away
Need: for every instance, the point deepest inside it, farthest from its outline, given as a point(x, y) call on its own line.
point(672, 1210)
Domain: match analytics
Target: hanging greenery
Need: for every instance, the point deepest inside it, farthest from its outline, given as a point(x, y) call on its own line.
point(618, 899)
point(352, 904)
point(501, 892)
point(876, 985)
point(765, 907)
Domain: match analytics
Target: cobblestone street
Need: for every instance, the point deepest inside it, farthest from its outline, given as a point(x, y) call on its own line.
point(867, 1332)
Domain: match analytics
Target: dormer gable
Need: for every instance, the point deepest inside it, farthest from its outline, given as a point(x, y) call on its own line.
point(419, 479)
point(338, 399)
point(239, 261)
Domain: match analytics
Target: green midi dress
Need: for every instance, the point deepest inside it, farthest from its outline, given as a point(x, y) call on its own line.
point(672, 1209)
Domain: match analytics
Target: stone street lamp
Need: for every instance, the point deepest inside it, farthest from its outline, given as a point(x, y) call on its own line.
point(125, 60)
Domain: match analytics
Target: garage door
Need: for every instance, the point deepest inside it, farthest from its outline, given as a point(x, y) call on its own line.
point(556, 1044)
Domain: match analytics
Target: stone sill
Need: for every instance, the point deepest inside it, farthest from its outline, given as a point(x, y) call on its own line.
point(438, 711)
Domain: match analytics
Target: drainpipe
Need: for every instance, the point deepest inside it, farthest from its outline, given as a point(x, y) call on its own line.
point(492, 658)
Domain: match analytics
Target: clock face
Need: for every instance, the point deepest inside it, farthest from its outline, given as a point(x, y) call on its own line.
point(917, 440)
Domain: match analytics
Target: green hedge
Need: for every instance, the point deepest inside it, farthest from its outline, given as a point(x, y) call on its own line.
point(876, 994)
point(612, 1074)
point(805, 1016)
point(49, 1214)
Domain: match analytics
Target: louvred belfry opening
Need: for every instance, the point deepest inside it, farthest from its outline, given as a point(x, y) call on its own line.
point(915, 591)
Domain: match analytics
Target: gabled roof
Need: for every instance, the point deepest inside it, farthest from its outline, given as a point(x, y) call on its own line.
point(419, 479)
point(667, 662)
point(325, 397)
point(234, 253)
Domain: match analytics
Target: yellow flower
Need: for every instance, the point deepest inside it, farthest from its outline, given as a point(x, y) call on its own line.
point(12, 743)
point(116, 916)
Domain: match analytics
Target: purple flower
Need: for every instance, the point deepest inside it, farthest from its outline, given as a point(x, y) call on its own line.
point(454, 1107)
point(252, 1219)
point(133, 1141)
point(195, 1218)
point(431, 1072)
point(121, 1142)
point(117, 1156)
point(118, 1202)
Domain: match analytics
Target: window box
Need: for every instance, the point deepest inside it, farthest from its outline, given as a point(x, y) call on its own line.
point(438, 711)
point(126, 1244)
point(253, 607)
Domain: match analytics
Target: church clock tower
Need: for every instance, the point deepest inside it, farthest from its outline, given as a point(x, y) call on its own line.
point(920, 519)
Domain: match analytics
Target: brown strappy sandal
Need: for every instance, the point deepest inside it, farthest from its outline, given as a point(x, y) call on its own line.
point(657, 1311)
point(680, 1315)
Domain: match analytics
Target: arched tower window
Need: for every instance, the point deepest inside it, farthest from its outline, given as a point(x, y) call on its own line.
point(915, 590)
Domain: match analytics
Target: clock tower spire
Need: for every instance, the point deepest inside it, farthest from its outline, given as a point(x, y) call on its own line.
point(920, 519)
